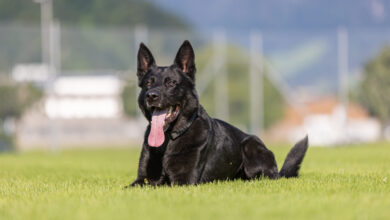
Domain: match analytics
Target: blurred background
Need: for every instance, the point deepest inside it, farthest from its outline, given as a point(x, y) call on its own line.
point(278, 69)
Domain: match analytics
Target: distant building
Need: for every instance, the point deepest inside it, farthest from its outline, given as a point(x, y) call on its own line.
point(84, 97)
point(80, 111)
point(327, 123)
point(31, 72)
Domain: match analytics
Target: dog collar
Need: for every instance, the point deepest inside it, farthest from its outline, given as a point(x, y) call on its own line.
point(178, 132)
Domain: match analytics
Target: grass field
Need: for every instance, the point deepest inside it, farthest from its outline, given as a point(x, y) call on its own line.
point(335, 183)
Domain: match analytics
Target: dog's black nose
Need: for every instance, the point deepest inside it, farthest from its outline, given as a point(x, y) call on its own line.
point(152, 95)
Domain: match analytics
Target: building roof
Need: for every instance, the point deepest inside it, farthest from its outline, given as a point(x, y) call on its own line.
point(321, 106)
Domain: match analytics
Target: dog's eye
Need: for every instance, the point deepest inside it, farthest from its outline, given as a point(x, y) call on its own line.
point(150, 82)
point(171, 83)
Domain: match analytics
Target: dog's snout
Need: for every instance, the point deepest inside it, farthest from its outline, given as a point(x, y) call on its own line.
point(152, 95)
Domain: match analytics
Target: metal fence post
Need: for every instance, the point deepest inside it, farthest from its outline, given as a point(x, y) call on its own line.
point(140, 35)
point(342, 55)
point(221, 96)
point(256, 91)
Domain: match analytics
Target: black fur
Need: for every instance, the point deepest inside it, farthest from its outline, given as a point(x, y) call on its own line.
point(197, 148)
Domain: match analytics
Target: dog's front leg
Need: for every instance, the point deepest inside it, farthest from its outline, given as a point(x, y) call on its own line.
point(184, 180)
point(183, 174)
point(162, 181)
point(142, 166)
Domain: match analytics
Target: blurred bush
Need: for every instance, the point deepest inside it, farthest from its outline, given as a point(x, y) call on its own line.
point(6, 142)
point(15, 99)
point(129, 99)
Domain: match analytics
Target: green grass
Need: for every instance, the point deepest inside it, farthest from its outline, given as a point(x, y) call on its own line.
point(335, 183)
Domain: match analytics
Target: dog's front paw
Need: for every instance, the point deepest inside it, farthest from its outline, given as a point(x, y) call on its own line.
point(136, 183)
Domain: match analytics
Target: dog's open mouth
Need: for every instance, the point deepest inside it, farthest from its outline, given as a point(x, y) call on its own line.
point(161, 119)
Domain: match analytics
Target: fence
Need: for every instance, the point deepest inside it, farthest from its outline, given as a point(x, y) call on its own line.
point(231, 64)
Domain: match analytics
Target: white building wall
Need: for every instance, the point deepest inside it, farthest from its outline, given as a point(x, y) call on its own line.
point(77, 97)
point(333, 129)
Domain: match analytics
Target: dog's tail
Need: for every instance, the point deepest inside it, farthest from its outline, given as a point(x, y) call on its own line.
point(294, 159)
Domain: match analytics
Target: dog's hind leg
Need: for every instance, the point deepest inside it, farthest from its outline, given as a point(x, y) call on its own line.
point(257, 159)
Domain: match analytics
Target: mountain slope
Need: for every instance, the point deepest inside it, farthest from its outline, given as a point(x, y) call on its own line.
point(246, 14)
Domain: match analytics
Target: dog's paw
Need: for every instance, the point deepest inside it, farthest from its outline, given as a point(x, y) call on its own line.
point(136, 183)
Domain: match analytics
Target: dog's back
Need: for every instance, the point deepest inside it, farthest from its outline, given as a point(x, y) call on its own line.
point(256, 160)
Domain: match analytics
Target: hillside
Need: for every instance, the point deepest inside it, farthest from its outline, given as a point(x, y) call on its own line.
point(92, 13)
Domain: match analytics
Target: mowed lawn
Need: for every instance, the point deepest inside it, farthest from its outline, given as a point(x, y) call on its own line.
point(335, 183)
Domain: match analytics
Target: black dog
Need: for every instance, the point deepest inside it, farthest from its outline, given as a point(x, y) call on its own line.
point(183, 144)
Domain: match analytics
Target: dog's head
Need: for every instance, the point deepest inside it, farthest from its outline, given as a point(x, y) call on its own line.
point(168, 95)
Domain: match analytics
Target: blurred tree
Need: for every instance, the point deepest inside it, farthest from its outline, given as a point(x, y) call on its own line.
point(237, 67)
point(15, 99)
point(374, 89)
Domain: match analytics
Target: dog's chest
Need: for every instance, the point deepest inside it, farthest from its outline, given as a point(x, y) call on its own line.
point(178, 162)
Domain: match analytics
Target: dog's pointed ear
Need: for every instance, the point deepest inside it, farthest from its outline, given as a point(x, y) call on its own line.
point(145, 60)
point(185, 59)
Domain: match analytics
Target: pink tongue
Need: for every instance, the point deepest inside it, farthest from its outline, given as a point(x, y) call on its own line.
point(156, 135)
